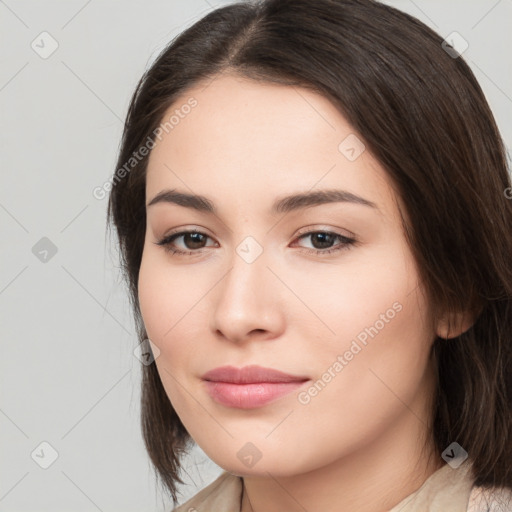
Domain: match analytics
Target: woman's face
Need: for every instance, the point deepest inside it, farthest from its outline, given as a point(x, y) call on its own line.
point(350, 318)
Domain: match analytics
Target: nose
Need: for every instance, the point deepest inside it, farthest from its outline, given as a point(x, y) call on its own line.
point(248, 302)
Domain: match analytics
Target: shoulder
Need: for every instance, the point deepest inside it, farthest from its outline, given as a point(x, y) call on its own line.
point(496, 499)
point(222, 494)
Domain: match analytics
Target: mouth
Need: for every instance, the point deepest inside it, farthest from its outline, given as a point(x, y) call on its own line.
point(249, 387)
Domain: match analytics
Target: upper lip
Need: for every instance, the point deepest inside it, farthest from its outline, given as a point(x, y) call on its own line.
point(250, 375)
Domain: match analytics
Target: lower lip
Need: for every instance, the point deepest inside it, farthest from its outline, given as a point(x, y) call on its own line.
point(249, 396)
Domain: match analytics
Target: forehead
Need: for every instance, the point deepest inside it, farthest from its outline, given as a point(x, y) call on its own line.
point(245, 138)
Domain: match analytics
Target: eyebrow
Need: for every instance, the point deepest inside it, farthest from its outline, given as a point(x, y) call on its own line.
point(281, 205)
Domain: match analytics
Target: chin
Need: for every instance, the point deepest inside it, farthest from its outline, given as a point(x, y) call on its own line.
point(263, 469)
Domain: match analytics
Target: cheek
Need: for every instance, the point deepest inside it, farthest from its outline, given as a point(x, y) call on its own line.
point(157, 300)
point(152, 299)
point(378, 314)
point(166, 306)
point(359, 399)
point(379, 359)
point(171, 307)
point(370, 287)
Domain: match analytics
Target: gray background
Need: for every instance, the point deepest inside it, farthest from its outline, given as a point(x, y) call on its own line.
point(68, 373)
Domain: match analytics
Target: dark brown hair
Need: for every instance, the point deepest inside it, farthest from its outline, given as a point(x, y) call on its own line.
point(423, 116)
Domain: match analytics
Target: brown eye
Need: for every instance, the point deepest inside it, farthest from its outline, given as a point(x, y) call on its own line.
point(193, 241)
point(322, 242)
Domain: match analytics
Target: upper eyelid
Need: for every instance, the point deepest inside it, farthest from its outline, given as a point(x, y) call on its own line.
point(301, 231)
point(308, 230)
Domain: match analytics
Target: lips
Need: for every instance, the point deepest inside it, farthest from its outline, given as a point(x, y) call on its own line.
point(250, 375)
point(249, 387)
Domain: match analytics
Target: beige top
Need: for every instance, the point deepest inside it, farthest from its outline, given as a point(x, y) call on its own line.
point(446, 490)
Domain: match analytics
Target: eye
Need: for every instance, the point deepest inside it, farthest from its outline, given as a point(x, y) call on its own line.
point(325, 239)
point(195, 241)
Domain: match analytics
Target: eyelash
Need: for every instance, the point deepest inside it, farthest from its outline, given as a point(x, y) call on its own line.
point(346, 244)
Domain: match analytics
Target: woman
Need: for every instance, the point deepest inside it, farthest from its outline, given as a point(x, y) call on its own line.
point(313, 210)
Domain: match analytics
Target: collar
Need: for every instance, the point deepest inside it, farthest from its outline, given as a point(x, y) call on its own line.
point(447, 489)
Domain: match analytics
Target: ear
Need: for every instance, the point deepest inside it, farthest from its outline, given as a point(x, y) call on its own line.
point(455, 324)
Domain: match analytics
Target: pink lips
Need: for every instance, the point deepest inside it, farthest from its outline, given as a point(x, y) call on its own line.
point(249, 387)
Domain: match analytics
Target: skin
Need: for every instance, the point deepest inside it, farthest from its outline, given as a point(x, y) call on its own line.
point(357, 444)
